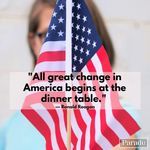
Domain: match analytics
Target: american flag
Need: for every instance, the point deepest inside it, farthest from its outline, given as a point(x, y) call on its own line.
point(99, 128)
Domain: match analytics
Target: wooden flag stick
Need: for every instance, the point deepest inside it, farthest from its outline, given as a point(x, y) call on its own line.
point(68, 63)
point(68, 129)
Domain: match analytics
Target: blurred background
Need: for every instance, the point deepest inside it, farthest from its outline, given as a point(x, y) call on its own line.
point(128, 22)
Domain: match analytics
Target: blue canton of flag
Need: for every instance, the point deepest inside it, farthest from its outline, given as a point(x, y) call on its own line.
point(57, 28)
point(85, 39)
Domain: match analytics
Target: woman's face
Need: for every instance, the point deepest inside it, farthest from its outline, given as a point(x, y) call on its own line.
point(38, 39)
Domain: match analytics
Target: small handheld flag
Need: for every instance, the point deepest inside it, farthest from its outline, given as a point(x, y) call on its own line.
point(100, 128)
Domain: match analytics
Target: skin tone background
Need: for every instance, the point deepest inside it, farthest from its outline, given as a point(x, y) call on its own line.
point(128, 22)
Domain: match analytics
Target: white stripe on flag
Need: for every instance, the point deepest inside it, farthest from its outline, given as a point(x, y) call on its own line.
point(53, 46)
point(50, 66)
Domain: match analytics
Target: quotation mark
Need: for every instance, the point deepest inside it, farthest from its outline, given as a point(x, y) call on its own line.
point(30, 74)
point(103, 95)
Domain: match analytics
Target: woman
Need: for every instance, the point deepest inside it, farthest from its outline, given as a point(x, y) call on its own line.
point(18, 133)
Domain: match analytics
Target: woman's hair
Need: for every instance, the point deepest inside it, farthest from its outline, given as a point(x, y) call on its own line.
point(39, 5)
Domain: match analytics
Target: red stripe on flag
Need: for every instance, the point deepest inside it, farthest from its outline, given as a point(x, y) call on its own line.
point(105, 129)
point(74, 139)
point(82, 126)
point(92, 128)
point(51, 56)
point(104, 59)
point(96, 147)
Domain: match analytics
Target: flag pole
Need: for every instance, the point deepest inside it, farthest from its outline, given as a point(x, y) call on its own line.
point(68, 63)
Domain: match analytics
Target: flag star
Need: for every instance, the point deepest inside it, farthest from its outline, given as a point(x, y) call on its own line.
point(81, 50)
point(76, 47)
point(89, 31)
point(82, 39)
point(83, 29)
point(53, 27)
point(81, 60)
point(79, 6)
point(74, 68)
point(54, 14)
point(84, 18)
point(47, 34)
point(61, 20)
point(72, 14)
point(73, 4)
point(72, 25)
point(87, 53)
point(77, 37)
point(61, 7)
point(88, 42)
point(60, 33)
point(94, 44)
point(78, 27)
point(78, 16)
point(75, 58)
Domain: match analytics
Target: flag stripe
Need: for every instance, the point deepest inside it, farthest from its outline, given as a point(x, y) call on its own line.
point(74, 139)
point(53, 46)
point(50, 66)
point(51, 56)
